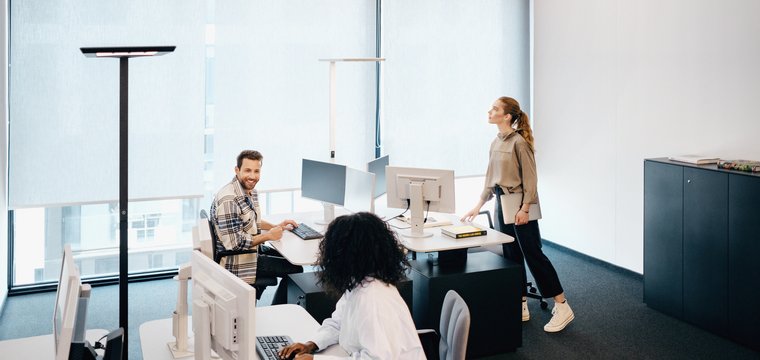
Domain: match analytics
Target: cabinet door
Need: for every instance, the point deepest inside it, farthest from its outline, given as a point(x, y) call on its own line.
point(743, 252)
point(663, 234)
point(705, 249)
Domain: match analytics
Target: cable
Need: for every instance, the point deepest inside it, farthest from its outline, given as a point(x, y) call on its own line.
point(427, 212)
point(402, 214)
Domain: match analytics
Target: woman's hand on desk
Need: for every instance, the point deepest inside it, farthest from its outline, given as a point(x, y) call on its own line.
point(470, 215)
point(301, 351)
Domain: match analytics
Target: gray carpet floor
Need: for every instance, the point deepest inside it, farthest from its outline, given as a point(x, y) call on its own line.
point(611, 320)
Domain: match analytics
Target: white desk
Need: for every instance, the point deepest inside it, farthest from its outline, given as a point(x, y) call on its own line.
point(292, 247)
point(39, 347)
point(440, 242)
point(291, 320)
point(304, 252)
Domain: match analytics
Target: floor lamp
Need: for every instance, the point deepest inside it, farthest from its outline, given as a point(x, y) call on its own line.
point(123, 54)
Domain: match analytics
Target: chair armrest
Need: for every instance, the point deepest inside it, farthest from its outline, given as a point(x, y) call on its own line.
point(488, 215)
point(429, 339)
point(225, 253)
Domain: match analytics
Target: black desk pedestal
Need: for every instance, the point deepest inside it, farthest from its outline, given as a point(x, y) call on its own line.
point(304, 291)
point(491, 286)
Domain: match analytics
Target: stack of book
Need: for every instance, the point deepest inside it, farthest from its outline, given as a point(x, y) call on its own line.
point(740, 165)
point(462, 231)
point(695, 159)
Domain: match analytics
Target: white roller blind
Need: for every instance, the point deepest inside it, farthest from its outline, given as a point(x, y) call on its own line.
point(271, 92)
point(64, 119)
point(447, 62)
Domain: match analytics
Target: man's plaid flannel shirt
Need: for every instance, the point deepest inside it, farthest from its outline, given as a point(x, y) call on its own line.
point(234, 215)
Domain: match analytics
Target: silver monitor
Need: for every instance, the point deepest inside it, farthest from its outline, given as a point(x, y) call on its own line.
point(325, 182)
point(420, 190)
point(66, 305)
point(224, 310)
point(360, 189)
point(377, 167)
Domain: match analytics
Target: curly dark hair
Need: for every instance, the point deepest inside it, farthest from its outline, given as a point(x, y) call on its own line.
point(356, 246)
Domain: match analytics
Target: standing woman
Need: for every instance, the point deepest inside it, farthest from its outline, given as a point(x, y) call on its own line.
point(512, 169)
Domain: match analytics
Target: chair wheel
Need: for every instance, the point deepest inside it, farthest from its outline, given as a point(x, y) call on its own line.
point(544, 305)
point(532, 290)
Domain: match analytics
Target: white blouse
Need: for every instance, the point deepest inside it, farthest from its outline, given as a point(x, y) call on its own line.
point(371, 321)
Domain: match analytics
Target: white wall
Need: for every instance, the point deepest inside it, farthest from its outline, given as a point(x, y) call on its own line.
point(618, 81)
point(3, 154)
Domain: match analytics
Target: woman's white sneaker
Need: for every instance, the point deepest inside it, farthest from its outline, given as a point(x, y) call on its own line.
point(561, 316)
point(525, 312)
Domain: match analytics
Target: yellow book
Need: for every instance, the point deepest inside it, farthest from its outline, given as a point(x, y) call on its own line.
point(462, 231)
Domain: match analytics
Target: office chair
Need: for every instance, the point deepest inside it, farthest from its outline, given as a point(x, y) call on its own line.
point(454, 330)
point(532, 291)
point(219, 252)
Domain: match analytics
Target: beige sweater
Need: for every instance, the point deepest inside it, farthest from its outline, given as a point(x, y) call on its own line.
point(512, 166)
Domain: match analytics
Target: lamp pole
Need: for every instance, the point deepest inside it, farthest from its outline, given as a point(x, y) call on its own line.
point(123, 54)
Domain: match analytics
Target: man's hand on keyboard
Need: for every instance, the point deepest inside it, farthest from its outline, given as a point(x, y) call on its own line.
point(288, 224)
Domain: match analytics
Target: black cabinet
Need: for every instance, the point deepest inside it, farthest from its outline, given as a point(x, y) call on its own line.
point(700, 245)
point(705, 249)
point(743, 264)
point(492, 288)
point(663, 237)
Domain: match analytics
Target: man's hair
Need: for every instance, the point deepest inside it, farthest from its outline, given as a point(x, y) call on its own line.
point(357, 246)
point(250, 155)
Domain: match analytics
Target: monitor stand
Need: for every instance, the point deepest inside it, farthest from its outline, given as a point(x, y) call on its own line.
point(416, 218)
point(328, 215)
point(180, 347)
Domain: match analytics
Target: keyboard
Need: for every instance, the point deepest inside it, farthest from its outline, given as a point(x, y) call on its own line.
point(268, 347)
point(305, 232)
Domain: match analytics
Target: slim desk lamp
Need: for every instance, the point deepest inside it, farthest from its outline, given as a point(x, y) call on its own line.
point(329, 209)
point(123, 54)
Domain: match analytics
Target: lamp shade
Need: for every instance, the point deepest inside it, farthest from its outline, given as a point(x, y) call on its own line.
point(126, 51)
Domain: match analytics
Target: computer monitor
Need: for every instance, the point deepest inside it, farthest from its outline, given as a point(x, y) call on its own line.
point(325, 182)
point(420, 190)
point(66, 305)
point(360, 190)
point(377, 167)
point(224, 309)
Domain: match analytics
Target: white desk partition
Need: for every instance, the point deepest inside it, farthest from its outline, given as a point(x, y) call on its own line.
point(41, 347)
point(291, 320)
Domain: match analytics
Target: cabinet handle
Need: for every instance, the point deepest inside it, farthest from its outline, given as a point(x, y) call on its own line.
point(688, 181)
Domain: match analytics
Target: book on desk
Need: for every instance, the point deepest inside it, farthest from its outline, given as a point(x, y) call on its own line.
point(462, 231)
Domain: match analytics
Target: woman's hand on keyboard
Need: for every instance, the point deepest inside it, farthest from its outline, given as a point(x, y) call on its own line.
point(301, 351)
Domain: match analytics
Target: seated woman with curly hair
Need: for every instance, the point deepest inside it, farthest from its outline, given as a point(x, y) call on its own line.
point(361, 260)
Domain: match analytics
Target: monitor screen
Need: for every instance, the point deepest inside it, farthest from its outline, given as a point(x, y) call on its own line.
point(377, 167)
point(66, 303)
point(323, 181)
point(360, 187)
point(225, 306)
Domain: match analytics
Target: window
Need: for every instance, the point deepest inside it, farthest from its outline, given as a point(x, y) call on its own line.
point(245, 75)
